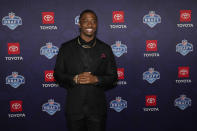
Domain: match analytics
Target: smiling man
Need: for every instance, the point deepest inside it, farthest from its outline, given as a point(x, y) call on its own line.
point(86, 67)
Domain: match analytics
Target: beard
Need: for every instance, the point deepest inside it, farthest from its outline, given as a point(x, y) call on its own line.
point(89, 35)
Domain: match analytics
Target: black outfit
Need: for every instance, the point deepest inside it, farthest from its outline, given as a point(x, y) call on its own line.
point(86, 104)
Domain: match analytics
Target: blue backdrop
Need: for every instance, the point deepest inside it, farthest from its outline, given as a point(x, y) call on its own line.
point(133, 112)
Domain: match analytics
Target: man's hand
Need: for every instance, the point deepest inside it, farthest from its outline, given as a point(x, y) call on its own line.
point(85, 78)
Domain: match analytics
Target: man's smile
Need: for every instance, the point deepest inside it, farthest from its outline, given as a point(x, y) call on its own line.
point(89, 30)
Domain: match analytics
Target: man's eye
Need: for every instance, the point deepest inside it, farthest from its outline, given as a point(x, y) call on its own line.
point(84, 21)
point(91, 21)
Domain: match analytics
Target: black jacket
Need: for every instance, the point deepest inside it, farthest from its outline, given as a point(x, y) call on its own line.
point(72, 59)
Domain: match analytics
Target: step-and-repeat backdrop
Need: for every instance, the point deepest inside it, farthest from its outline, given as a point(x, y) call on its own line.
point(154, 43)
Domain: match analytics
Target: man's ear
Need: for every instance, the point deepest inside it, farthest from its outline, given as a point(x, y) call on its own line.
point(79, 25)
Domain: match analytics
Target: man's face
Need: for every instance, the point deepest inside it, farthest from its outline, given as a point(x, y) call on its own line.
point(88, 24)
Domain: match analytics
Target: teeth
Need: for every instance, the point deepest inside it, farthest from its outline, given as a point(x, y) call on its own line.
point(89, 30)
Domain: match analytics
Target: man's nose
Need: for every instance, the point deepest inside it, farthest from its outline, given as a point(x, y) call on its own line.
point(89, 24)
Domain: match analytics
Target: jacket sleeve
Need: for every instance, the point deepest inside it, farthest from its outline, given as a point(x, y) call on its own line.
point(110, 77)
point(60, 74)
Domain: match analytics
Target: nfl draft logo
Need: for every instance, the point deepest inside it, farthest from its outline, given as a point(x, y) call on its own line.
point(77, 20)
point(49, 50)
point(119, 49)
point(118, 16)
point(12, 21)
point(151, 19)
point(51, 107)
point(182, 102)
point(13, 48)
point(15, 80)
point(184, 47)
point(118, 105)
point(185, 15)
point(151, 75)
point(48, 17)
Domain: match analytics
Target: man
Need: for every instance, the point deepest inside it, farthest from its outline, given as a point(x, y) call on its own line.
point(86, 67)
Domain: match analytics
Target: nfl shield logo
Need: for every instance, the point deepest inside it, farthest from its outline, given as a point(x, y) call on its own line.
point(184, 47)
point(15, 80)
point(12, 21)
point(151, 19)
point(118, 105)
point(49, 50)
point(77, 20)
point(119, 48)
point(51, 107)
point(182, 102)
point(151, 76)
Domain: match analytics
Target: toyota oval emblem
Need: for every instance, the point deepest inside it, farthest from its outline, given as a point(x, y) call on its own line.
point(16, 106)
point(183, 72)
point(118, 16)
point(185, 15)
point(49, 75)
point(151, 45)
point(13, 48)
point(120, 74)
point(48, 17)
point(151, 100)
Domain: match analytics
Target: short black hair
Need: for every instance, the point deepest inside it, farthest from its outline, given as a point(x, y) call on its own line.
point(87, 11)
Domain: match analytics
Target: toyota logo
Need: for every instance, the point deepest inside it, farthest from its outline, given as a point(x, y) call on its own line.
point(151, 45)
point(118, 16)
point(13, 48)
point(151, 100)
point(48, 17)
point(183, 72)
point(185, 15)
point(49, 75)
point(16, 106)
point(120, 73)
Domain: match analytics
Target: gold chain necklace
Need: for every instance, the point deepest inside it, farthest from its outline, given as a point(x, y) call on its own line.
point(86, 46)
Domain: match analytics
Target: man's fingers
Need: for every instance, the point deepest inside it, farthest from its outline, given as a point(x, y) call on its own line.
point(85, 73)
point(84, 81)
point(84, 76)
